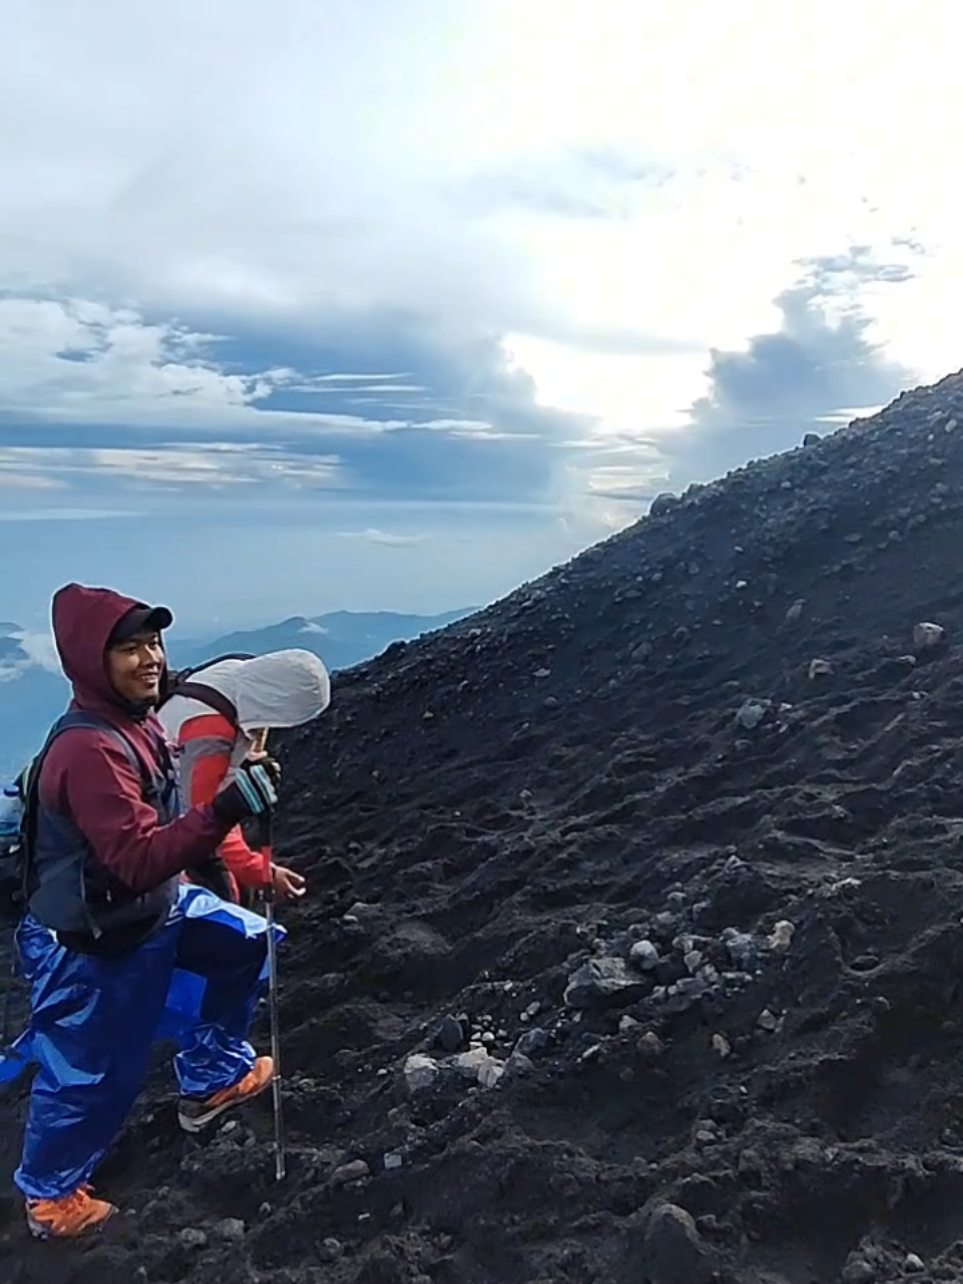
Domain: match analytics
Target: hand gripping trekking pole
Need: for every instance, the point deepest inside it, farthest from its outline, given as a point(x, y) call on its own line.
point(267, 894)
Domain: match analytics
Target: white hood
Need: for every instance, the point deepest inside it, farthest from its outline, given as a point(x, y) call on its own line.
point(281, 689)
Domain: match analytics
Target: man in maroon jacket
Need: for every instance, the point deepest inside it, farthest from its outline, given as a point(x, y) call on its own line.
point(112, 928)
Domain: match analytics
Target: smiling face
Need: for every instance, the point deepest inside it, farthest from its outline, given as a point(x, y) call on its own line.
point(135, 665)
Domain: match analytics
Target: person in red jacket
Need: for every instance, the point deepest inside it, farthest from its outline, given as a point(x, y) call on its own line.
point(221, 718)
point(114, 942)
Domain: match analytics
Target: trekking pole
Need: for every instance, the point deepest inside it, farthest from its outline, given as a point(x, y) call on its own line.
point(267, 893)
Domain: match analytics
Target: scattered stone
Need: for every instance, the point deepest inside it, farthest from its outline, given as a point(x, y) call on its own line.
point(767, 1021)
point(914, 1263)
point(741, 946)
point(858, 1270)
point(721, 1045)
point(820, 669)
point(451, 1034)
point(674, 1251)
point(780, 939)
point(518, 1063)
point(392, 1160)
point(534, 1040)
point(926, 636)
point(662, 504)
point(794, 614)
point(600, 982)
point(477, 1064)
point(231, 1228)
point(420, 1072)
point(191, 1238)
point(355, 1170)
point(650, 1045)
point(330, 1249)
point(752, 713)
point(644, 955)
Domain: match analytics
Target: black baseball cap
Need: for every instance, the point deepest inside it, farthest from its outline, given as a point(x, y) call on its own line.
point(140, 619)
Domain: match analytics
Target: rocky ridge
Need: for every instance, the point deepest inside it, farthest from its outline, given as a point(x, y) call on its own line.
point(634, 943)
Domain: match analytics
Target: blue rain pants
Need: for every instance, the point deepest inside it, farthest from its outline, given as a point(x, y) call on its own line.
point(94, 1020)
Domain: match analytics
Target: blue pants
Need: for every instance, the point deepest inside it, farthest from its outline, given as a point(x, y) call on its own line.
point(94, 1020)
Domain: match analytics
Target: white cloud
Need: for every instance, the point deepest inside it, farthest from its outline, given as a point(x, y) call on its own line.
point(66, 514)
point(40, 650)
point(14, 480)
point(37, 650)
point(373, 536)
point(617, 188)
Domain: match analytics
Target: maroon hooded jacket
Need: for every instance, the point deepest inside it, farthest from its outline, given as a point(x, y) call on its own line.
point(86, 774)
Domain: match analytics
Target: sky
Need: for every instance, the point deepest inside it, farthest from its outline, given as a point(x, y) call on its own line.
point(394, 304)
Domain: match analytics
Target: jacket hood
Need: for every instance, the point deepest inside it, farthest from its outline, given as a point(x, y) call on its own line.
point(281, 689)
point(83, 619)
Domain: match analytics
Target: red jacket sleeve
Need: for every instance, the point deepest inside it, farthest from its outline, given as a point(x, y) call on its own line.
point(102, 792)
point(207, 776)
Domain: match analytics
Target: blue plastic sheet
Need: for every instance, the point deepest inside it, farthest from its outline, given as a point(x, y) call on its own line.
point(94, 1020)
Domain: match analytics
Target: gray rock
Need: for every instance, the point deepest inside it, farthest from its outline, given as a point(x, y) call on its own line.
point(644, 956)
point(420, 1072)
point(928, 635)
point(231, 1228)
point(751, 714)
point(741, 946)
point(191, 1238)
point(330, 1250)
point(662, 503)
point(356, 1170)
point(602, 982)
point(858, 1270)
point(673, 1249)
point(650, 1045)
point(519, 1064)
point(480, 1066)
point(534, 1040)
point(451, 1035)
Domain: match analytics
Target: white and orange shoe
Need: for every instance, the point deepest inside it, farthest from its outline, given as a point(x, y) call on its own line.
point(69, 1217)
point(194, 1114)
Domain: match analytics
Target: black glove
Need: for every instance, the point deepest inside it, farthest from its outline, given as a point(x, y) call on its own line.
point(252, 792)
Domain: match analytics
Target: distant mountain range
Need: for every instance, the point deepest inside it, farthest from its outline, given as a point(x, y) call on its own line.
point(33, 691)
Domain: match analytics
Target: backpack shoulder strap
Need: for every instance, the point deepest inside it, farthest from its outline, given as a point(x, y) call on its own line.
point(180, 682)
point(30, 777)
point(82, 719)
point(184, 674)
point(215, 700)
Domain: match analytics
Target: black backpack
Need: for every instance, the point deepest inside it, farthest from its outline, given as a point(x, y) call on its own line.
point(181, 682)
point(15, 872)
point(11, 868)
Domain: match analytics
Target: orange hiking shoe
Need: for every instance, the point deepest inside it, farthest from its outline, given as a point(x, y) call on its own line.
point(68, 1217)
point(194, 1113)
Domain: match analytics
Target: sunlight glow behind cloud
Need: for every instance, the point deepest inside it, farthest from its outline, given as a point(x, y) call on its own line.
point(558, 254)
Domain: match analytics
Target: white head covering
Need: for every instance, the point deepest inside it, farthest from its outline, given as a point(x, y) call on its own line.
point(281, 689)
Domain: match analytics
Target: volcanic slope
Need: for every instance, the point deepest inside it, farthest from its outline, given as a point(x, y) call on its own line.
point(634, 948)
